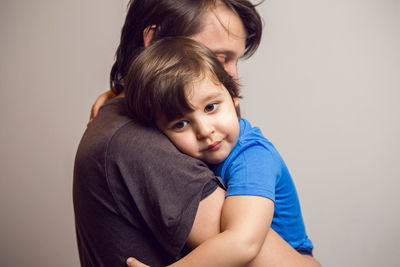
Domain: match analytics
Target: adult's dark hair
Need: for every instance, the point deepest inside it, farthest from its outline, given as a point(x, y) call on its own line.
point(158, 79)
point(174, 18)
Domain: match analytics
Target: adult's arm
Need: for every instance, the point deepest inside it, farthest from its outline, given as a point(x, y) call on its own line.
point(274, 252)
point(208, 219)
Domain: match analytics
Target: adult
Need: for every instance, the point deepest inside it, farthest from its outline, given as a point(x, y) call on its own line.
point(134, 193)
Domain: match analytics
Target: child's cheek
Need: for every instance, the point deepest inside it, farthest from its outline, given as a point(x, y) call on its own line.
point(185, 144)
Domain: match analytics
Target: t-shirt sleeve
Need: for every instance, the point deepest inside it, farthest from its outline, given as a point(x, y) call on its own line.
point(253, 171)
point(147, 175)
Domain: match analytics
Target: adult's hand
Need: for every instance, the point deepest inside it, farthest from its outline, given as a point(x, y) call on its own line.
point(132, 262)
point(99, 102)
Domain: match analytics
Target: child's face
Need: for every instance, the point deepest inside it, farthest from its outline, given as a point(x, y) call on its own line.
point(210, 131)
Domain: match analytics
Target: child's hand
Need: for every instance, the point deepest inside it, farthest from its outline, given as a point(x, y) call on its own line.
point(132, 262)
point(99, 102)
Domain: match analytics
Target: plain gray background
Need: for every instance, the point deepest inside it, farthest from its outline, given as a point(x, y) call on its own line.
point(323, 87)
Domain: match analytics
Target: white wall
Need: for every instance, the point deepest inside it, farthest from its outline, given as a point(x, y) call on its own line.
point(323, 87)
point(55, 60)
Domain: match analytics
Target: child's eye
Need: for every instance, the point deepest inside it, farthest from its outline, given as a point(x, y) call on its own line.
point(179, 125)
point(210, 107)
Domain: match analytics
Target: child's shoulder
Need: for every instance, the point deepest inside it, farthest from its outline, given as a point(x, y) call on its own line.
point(251, 137)
point(249, 133)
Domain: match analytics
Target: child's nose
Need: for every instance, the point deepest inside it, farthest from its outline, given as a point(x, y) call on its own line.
point(204, 129)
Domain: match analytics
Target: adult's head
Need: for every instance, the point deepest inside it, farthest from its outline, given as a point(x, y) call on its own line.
point(230, 28)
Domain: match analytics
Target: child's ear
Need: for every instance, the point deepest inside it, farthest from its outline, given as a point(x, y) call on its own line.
point(236, 101)
point(148, 34)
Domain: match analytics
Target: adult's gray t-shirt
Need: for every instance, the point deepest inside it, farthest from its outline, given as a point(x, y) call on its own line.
point(134, 193)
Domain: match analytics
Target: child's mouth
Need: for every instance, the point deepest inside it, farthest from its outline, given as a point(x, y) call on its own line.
point(214, 146)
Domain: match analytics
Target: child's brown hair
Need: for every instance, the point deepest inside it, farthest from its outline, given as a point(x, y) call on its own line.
point(158, 77)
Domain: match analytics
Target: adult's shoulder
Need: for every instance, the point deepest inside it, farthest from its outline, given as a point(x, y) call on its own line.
point(126, 142)
point(150, 151)
point(115, 123)
point(111, 117)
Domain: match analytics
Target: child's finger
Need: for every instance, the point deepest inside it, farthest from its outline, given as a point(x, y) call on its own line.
point(132, 262)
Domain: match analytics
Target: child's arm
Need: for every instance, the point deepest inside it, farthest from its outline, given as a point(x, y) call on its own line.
point(245, 222)
point(99, 102)
point(274, 252)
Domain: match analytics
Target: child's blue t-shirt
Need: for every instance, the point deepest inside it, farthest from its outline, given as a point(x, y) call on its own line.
point(254, 167)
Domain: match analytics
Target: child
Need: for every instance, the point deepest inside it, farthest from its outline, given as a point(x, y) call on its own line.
point(179, 86)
